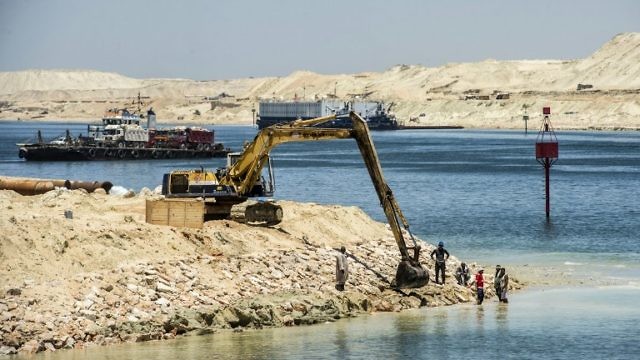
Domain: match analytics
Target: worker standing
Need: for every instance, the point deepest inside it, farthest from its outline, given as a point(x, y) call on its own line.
point(479, 282)
point(504, 285)
point(496, 283)
point(438, 255)
point(342, 269)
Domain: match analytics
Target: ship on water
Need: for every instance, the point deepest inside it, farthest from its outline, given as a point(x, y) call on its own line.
point(121, 137)
point(377, 116)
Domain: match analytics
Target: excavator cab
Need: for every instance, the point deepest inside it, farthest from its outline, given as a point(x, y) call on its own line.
point(179, 183)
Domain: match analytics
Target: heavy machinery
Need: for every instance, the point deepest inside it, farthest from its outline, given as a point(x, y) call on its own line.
point(242, 178)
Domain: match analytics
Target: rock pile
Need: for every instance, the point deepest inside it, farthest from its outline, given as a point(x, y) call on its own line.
point(214, 283)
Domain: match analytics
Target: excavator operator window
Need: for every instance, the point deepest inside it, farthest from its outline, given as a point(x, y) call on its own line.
point(179, 184)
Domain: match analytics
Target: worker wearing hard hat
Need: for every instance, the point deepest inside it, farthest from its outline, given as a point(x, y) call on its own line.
point(440, 255)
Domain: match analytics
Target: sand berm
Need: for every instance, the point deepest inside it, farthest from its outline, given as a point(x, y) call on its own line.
point(105, 276)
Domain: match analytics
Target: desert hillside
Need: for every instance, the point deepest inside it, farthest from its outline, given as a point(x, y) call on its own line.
point(454, 94)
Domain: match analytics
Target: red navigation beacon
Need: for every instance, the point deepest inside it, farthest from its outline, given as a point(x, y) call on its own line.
point(546, 151)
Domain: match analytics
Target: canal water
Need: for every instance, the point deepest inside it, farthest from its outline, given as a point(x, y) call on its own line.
point(482, 193)
point(538, 324)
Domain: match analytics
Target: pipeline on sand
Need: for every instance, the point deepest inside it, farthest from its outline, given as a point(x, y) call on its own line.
point(28, 186)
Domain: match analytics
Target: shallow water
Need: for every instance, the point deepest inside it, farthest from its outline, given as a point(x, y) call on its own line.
point(593, 323)
point(482, 193)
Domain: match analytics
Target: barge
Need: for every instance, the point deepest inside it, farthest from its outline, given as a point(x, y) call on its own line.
point(120, 137)
point(54, 152)
point(377, 116)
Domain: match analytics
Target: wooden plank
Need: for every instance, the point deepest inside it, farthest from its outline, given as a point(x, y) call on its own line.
point(194, 214)
point(175, 212)
point(157, 212)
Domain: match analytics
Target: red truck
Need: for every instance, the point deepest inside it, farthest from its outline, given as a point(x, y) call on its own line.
point(182, 138)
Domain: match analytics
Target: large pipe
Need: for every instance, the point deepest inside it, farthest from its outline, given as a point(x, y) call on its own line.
point(90, 186)
point(59, 183)
point(29, 186)
point(26, 187)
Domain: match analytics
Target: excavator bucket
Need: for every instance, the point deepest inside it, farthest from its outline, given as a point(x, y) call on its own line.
point(411, 274)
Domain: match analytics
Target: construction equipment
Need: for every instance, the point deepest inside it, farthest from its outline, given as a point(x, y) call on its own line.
point(242, 178)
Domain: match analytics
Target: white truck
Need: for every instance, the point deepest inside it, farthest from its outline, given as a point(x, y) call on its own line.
point(123, 136)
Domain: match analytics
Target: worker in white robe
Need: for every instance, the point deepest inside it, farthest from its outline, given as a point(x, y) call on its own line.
point(342, 269)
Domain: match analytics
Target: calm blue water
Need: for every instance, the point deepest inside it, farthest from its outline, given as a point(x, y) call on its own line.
point(481, 192)
point(475, 190)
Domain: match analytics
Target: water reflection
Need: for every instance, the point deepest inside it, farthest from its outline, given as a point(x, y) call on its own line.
point(502, 323)
point(440, 323)
point(341, 342)
point(410, 331)
point(480, 319)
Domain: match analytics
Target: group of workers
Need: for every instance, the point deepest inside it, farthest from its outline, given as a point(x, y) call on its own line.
point(500, 284)
point(440, 255)
point(500, 279)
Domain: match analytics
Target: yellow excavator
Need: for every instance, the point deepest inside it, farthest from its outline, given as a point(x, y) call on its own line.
point(225, 191)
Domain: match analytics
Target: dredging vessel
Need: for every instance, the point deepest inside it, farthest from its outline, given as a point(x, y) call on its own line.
point(121, 137)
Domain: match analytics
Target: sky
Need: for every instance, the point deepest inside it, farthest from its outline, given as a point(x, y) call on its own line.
point(210, 39)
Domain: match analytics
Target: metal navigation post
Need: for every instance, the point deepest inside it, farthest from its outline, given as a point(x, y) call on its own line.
point(546, 151)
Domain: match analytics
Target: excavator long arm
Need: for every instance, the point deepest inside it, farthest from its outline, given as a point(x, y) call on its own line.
point(410, 274)
point(246, 171)
point(385, 195)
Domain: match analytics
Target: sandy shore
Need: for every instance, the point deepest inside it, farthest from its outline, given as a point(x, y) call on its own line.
point(571, 110)
point(106, 276)
point(600, 92)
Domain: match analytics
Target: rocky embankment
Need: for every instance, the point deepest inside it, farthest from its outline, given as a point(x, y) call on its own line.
point(106, 276)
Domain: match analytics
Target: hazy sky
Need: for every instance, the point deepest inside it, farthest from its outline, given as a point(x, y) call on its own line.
point(208, 39)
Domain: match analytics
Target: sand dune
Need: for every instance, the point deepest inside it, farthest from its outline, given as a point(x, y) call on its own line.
point(439, 93)
point(49, 80)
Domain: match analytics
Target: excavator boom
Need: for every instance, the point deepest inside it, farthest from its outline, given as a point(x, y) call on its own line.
point(246, 170)
point(240, 178)
point(410, 273)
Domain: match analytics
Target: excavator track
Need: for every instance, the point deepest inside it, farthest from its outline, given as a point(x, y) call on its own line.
point(257, 213)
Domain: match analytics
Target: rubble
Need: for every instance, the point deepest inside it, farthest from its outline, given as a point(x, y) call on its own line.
point(196, 282)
